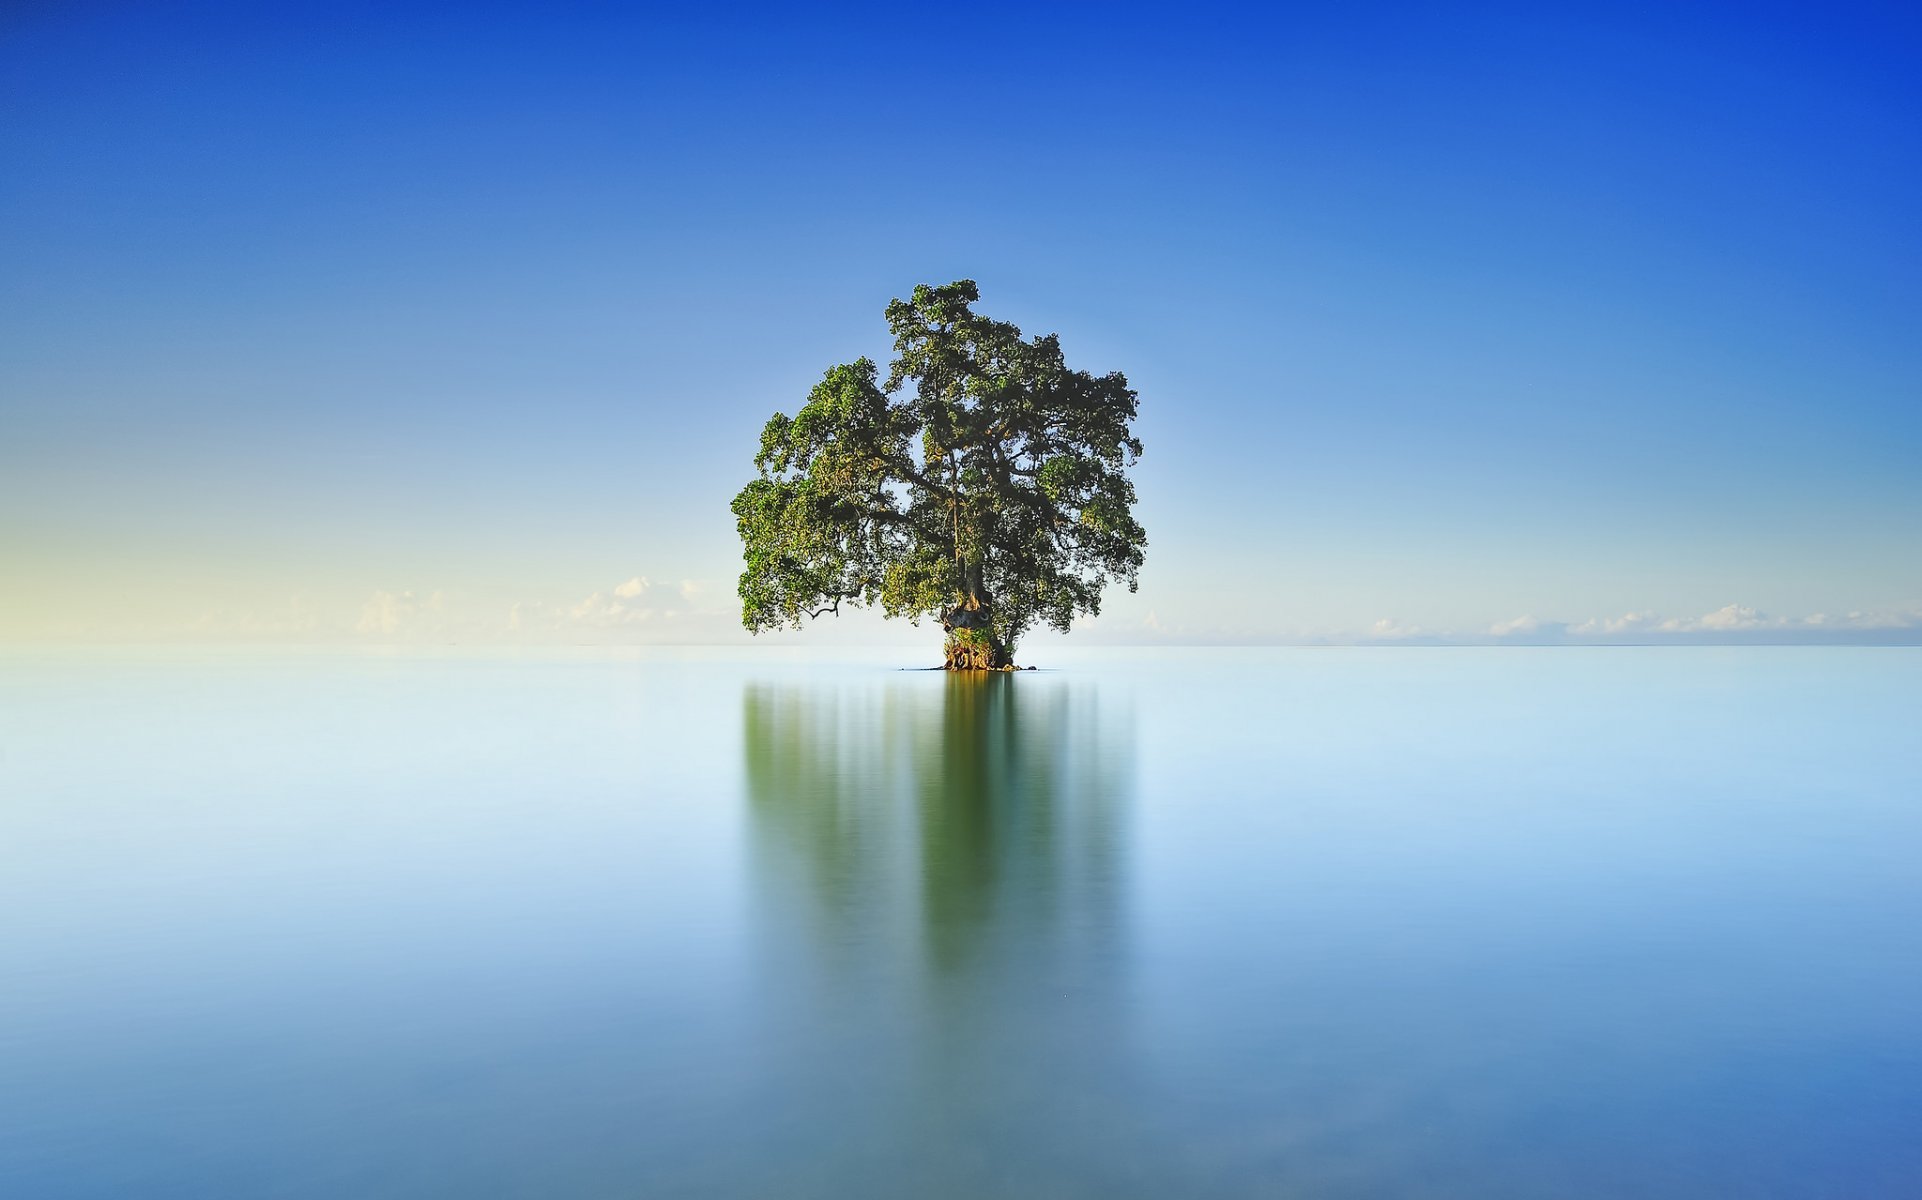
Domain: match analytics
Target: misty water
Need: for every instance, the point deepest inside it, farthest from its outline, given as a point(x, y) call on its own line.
point(1373, 922)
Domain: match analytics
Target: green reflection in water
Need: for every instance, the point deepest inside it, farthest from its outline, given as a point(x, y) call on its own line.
point(974, 803)
point(938, 864)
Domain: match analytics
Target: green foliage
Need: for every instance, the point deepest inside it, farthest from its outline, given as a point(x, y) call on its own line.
point(982, 483)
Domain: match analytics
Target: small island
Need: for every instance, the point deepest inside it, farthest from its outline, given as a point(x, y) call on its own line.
point(982, 483)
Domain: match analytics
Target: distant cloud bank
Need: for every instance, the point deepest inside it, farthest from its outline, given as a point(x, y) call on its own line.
point(1732, 623)
point(636, 610)
point(390, 614)
point(641, 609)
point(636, 601)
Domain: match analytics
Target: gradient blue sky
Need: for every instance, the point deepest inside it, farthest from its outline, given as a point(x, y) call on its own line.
point(400, 321)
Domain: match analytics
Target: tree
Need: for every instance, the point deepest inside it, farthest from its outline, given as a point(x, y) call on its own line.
point(982, 483)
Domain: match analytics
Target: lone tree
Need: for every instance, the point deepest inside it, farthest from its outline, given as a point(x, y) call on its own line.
point(982, 483)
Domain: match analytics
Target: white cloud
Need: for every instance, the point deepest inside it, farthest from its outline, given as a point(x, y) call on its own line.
point(1634, 622)
point(623, 607)
point(1862, 620)
point(1726, 619)
point(298, 621)
point(638, 601)
point(1529, 629)
point(1389, 629)
point(390, 614)
point(1742, 621)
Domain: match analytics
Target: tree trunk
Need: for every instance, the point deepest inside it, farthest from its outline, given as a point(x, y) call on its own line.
point(972, 644)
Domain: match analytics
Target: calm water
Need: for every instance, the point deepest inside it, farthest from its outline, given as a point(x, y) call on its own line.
point(1389, 922)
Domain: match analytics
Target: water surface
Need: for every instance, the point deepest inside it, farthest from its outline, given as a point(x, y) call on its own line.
point(1387, 922)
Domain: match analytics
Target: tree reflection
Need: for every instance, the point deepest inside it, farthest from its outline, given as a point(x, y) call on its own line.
point(984, 806)
point(937, 869)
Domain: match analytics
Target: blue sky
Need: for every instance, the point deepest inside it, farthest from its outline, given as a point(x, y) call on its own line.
point(395, 321)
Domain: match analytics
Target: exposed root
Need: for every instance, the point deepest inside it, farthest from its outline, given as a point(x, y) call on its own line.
point(975, 650)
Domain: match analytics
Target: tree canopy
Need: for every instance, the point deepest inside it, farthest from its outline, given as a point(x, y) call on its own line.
point(983, 483)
